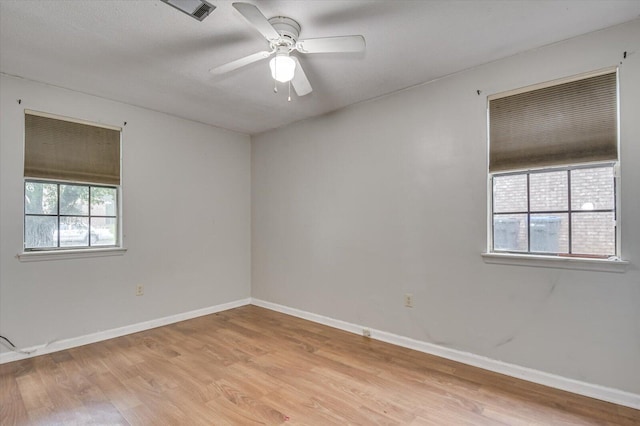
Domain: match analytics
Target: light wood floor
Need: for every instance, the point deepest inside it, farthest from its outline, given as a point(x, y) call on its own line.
point(253, 366)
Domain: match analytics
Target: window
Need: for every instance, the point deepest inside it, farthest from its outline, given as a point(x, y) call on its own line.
point(72, 184)
point(553, 154)
point(59, 215)
point(565, 212)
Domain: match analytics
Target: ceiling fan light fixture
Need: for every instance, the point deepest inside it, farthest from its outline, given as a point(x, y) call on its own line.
point(283, 68)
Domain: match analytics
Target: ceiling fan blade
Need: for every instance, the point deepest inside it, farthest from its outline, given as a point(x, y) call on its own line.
point(300, 82)
point(239, 63)
point(252, 14)
point(354, 43)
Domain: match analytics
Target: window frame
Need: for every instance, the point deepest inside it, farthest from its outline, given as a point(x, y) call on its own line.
point(74, 252)
point(569, 211)
point(58, 216)
point(612, 264)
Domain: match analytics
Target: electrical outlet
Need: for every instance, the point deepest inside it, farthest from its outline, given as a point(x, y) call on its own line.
point(366, 332)
point(408, 300)
point(139, 290)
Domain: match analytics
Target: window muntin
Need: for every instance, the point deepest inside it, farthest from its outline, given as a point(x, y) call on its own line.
point(63, 215)
point(565, 212)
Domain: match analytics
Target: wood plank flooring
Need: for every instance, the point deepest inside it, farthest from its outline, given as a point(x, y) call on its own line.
point(251, 366)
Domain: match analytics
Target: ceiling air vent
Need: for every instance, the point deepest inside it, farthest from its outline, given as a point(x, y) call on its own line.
point(197, 9)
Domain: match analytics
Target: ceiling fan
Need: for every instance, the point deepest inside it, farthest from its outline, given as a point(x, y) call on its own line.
point(282, 34)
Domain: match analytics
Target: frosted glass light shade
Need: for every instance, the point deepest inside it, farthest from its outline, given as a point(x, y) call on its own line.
point(282, 68)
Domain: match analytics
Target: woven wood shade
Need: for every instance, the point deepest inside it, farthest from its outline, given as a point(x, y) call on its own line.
point(66, 150)
point(569, 123)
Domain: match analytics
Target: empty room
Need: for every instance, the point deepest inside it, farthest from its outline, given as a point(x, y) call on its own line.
point(364, 212)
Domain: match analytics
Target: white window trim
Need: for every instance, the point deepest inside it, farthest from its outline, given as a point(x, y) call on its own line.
point(559, 262)
point(72, 120)
point(36, 256)
point(613, 264)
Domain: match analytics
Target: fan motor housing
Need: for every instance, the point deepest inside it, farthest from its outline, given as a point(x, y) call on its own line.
point(288, 29)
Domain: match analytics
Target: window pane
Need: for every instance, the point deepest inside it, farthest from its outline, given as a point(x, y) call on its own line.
point(548, 191)
point(510, 193)
point(103, 201)
point(510, 232)
point(592, 189)
point(549, 233)
point(74, 231)
point(39, 231)
point(40, 198)
point(103, 231)
point(593, 233)
point(74, 200)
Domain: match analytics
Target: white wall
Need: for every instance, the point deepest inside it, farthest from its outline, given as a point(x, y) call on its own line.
point(349, 211)
point(353, 209)
point(186, 200)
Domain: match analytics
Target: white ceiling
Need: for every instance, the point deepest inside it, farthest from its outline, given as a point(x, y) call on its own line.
point(146, 53)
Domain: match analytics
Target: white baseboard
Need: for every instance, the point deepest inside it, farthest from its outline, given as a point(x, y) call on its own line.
point(563, 383)
point(117, 332)
point(575, 386)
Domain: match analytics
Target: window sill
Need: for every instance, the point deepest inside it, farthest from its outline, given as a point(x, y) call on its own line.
point(602, 265)
point(36, 256)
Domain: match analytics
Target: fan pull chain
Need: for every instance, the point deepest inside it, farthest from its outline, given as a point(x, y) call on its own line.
point(289, 98)
point(275, 82)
